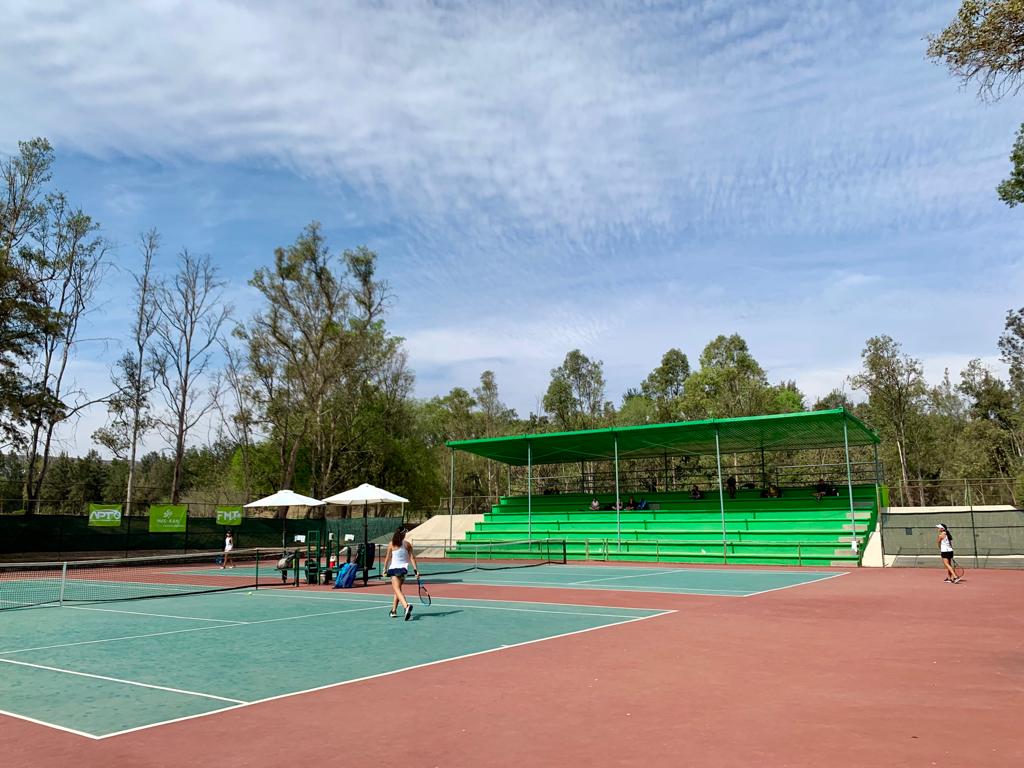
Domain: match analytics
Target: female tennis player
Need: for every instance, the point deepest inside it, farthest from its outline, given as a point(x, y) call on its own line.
point(396, 565)
point(946, 552)
point(229, 544)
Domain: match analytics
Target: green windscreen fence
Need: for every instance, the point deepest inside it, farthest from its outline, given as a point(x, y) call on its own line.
point(58, 536)
point(982, 538)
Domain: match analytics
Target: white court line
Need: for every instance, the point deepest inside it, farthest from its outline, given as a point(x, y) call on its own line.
point(386, 674)
point(181, 631)
point(659, 572)
point(610, 588)
point(158, 615)
point(123, 681)
point(803, 584)
point(450, 601)
point(33, 720)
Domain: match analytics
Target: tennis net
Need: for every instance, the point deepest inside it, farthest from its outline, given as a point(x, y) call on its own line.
point(495, 556)
point(90, 581)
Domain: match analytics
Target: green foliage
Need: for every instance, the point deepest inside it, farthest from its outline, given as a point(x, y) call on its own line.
point(664, 386)
point(984, 44)
point(1011, 190)
point(575, 396)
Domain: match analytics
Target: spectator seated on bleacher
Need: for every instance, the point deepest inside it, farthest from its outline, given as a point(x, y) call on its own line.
point(730, 486)
point(595, 504)
point(642, 504)
point(772, 492)
point(696, 492)
point(824, 488)
point(631, 504)
point(617, 506)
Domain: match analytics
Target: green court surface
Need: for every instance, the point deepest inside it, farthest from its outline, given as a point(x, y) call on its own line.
point(664, 579)
point(107, 668)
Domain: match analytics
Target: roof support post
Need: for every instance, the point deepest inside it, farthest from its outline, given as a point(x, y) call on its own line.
point(878, 506)
point(451, 500)
point(529, 491)
point(618, 502)
point(849, 486)
point(721, 495)
point(509, 468)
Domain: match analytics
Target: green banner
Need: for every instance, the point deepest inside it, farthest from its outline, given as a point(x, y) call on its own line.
point(167, 518)
point(105, 515)
point(229, 515)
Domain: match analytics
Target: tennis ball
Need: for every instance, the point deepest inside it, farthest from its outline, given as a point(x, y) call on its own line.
point(250, 593)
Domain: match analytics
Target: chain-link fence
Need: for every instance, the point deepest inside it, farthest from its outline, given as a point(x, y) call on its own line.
point(982, 538)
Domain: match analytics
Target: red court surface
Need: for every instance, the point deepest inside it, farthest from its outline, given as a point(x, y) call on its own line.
point(877, 668)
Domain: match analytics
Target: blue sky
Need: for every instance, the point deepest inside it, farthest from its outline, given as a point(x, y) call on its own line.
point(622, 177)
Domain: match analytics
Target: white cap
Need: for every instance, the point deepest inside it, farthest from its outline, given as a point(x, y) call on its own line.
point(939, 525)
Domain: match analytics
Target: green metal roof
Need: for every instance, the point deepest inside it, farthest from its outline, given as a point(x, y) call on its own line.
point(777, 432)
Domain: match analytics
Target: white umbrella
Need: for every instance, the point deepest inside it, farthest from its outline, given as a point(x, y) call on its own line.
point(365, 494)
point(286, 499)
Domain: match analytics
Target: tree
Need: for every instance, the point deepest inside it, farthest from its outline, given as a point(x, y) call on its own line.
point(190, 318)
point(25, 316)
point(67, 272)
point(730, 382)
point(575, 396)
point(665, 385)
point(328, 375)
point(130, 406)
point(497, 419)
point(985, 44)
point(894, 383)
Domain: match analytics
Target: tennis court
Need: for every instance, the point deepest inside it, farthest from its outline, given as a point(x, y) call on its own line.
point(103, 669)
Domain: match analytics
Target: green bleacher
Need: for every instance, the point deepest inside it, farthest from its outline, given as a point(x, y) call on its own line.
point(795, 529)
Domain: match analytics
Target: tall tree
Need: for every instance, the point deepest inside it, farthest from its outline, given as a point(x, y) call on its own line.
point(191, 314)
point(328, 371)
point(69, 268)
point(895, 386)
point(730, 382)
point(984, 44)
point(25, 316)
point(496, 417)
point(575, 396)
point(130, 407)
point(664, 386)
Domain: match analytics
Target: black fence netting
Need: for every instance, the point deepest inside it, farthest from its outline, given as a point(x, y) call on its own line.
point(24, 537)
point(983, 538)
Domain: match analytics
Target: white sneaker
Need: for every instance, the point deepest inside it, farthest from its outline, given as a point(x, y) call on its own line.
point(408, 612)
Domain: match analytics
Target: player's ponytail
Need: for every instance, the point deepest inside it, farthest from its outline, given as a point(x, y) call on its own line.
point(398, 537)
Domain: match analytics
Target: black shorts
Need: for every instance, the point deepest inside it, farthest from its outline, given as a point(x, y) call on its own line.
point(946, 555)
point(399, 572)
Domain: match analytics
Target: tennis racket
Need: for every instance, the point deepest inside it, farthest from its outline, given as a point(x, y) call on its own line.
point(958, 569)
point(424, 595)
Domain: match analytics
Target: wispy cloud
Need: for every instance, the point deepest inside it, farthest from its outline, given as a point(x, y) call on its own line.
point(617, 176)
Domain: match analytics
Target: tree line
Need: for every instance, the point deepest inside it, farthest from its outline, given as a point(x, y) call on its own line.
point(313, 391)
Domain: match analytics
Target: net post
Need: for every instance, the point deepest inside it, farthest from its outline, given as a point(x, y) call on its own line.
point(63, 581)
point(257, 568)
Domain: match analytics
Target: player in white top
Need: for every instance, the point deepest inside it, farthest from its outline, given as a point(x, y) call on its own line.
point(946, 552)
point(229, 544)
point(396, 565)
